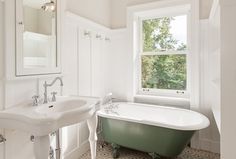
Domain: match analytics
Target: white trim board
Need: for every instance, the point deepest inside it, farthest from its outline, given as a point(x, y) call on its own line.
point(213, 146)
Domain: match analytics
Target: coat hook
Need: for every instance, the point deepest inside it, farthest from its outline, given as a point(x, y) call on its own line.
point(87, 33)
point(107, 39)
point(98, 36)
point(2, 139)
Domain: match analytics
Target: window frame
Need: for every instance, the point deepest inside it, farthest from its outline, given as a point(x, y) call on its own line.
point(164, 92)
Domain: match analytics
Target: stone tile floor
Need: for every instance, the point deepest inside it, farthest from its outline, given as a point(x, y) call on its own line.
point(104, 151)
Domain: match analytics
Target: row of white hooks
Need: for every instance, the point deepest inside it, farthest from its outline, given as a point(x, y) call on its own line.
point(88, 34)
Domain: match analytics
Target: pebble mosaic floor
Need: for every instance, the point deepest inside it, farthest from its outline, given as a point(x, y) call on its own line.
point(105, 152)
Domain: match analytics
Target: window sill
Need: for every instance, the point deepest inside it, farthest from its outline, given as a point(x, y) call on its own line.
point(163, 101)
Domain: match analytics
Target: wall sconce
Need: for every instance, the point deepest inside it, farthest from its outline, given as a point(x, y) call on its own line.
point(49, 6)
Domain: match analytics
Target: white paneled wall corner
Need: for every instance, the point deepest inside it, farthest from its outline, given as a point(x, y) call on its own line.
point(209, 139)
point(86, 46)
point(92, 41)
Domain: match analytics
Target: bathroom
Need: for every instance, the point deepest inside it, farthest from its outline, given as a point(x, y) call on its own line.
point(97, 52)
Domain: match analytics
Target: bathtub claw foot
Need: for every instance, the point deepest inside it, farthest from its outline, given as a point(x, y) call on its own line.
point(154, 155)
point(115, 150)
point(115, 153)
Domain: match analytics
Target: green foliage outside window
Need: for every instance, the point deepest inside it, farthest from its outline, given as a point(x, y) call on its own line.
point(162, 71)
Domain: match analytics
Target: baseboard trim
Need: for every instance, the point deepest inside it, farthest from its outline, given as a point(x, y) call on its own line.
point(209, 145)
point(205, 144)
point(78, 151)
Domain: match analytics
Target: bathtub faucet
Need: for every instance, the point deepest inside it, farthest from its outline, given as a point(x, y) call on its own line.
point(106, 99)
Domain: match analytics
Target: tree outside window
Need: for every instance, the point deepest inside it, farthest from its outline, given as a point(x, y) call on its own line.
point(164, 56)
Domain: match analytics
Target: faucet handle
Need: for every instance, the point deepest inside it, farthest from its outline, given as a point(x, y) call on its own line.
point(35, 100)
point(54, 96)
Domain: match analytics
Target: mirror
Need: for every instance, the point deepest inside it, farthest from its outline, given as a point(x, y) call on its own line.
point(37, 50)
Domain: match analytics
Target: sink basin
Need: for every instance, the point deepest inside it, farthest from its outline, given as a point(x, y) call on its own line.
point(46, 118)
point(62, 106)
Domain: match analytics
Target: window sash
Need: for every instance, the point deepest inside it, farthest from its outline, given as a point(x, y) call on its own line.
point(165, 53)
point(158, 17)
point(163, 92)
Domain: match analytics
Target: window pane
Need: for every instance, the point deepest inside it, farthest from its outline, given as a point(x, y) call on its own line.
point(165, 34)
point(164, 72)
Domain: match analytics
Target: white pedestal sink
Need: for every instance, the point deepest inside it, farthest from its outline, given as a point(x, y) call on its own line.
point(44, 119)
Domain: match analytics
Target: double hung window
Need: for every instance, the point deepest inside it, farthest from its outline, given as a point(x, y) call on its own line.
point(164, 55)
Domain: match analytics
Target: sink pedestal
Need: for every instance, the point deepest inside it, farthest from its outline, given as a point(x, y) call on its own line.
point(41, 147)
point(42, 143)
point(92, 125)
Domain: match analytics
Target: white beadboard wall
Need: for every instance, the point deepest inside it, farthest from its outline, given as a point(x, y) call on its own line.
point(88, 62)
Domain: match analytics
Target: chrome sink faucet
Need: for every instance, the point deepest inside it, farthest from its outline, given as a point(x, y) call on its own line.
point(49, 85)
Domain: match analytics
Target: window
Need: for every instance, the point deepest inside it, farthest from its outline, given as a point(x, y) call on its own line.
point(164, 51)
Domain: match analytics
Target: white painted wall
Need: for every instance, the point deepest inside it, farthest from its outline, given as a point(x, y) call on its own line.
point(210, 137)
point(228, 78)
point(223, 73)
point(112, 13)
point(205, 6)
point(118, 10)
point(98, 10)
point(1, 72)
point(1, 55)
point(117, 73)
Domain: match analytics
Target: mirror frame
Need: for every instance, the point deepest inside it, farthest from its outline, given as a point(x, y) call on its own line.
point(19, 28)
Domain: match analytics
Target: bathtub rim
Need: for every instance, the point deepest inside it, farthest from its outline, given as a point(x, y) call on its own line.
point(204, 124)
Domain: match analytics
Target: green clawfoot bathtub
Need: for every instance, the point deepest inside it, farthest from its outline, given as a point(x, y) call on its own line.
point(157, 130)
